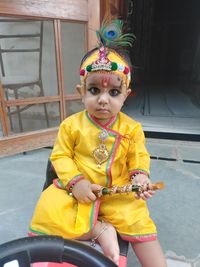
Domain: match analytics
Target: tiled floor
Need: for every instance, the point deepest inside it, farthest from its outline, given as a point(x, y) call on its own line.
point(175, 261)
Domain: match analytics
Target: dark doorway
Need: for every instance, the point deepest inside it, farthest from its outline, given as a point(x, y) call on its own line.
point(166, 59)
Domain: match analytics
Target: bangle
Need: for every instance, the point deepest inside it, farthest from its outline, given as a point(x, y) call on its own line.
point(72, 183)
point(133, 176)
point(136, 172)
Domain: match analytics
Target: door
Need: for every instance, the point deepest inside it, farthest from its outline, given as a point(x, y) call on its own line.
point(166, 77)
point(41, 46)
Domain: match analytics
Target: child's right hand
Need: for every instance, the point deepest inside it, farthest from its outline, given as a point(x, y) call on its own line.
point(83, 191)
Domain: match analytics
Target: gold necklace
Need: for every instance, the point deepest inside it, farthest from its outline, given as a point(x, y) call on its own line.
point(101, 153)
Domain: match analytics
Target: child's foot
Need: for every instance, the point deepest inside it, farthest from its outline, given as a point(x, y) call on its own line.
point(106, 235)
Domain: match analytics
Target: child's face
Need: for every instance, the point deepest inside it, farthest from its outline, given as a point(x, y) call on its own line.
point(103, 97)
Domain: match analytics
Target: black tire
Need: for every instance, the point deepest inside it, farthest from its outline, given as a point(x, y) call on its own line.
point(51, 249)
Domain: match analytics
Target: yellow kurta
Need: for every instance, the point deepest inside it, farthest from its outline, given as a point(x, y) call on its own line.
point(58, 213)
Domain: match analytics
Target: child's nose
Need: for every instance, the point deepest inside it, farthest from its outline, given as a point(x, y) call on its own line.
point(103, 98)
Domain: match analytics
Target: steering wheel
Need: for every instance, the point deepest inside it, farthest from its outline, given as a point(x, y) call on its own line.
point(27, 250)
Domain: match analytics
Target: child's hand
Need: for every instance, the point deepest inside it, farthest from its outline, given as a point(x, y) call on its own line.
point(146, 191)
point(83, 191)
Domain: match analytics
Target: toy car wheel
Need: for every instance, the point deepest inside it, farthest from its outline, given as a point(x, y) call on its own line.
point(22, 252)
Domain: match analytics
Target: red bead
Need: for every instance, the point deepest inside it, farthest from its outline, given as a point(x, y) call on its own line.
point(82, 72)
point(126, 70)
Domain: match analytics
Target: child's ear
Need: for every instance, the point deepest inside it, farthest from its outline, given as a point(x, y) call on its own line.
point(81, 89)
point(78, 88)
point(128, 91)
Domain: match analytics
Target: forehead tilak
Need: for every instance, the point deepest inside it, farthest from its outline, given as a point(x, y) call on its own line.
point(105, 80)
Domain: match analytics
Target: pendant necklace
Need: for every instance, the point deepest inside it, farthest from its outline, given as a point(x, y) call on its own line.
point(101, 153)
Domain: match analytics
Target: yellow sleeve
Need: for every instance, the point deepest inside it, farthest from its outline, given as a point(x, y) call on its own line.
point(138, 156)
point(62, 156)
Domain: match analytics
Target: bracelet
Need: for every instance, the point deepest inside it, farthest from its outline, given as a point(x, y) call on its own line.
point(72, 183)
point(137, 172)
point(133, 176)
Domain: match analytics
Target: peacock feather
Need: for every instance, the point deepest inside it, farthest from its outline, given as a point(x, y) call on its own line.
point(111, 35)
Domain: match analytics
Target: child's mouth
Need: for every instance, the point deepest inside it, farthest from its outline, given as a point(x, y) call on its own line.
point(102, 110)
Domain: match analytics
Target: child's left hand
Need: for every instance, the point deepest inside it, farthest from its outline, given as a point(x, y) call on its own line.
point(146, 191)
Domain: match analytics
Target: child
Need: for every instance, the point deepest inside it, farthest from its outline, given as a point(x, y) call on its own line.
point(101, 147)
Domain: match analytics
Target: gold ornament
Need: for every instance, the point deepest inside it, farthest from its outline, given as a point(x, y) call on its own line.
point(101, 153)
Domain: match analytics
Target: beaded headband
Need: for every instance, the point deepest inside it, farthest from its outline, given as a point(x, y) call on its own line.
point(105, 58)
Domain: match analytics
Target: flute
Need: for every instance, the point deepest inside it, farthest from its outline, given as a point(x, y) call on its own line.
point(128, 188)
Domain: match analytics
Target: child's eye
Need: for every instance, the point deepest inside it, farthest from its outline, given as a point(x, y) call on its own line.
point(114, 92)
point(94, 90)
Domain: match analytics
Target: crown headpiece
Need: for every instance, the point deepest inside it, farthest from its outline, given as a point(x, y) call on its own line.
point(106, 58)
